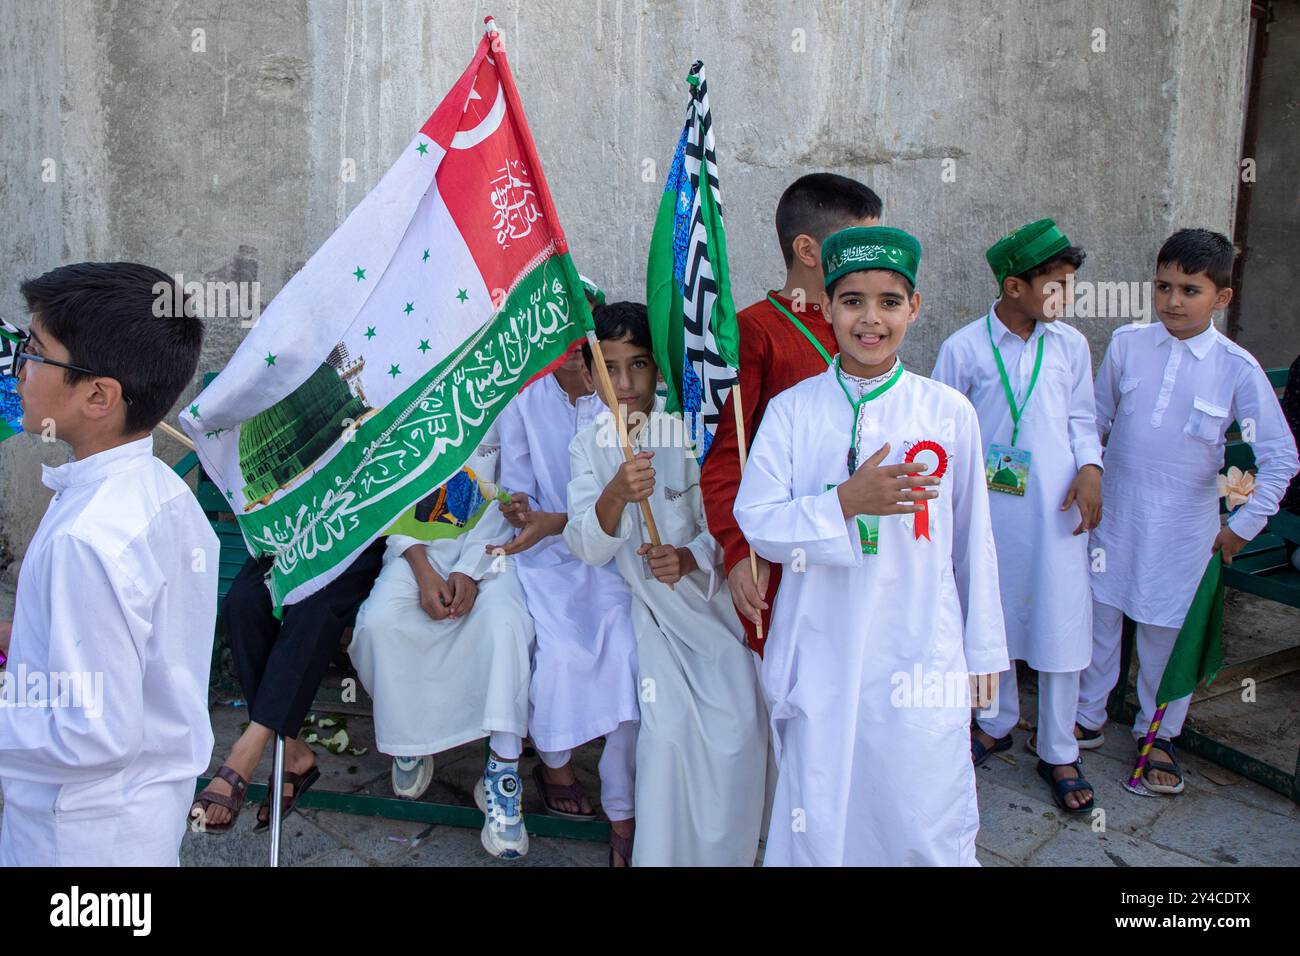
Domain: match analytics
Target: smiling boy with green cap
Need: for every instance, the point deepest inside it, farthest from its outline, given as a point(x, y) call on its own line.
point(867, 482)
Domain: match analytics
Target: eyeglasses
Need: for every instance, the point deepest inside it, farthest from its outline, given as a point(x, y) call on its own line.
point(22, 356)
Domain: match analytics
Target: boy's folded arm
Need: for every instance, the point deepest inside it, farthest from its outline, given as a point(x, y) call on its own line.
point(583, 535)
point(398, 544)
point(782, 528)
point(99, 622)
point(1274, 447)
point(974, 556)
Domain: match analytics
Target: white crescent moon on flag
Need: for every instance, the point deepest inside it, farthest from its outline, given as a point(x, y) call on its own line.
point(469, 138)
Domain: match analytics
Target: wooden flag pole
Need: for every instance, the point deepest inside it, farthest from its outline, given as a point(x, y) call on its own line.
point(607, 388)
point(179, 435)
point(741, 445)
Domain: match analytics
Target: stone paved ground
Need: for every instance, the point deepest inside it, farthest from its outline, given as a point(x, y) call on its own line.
point(1222, 819)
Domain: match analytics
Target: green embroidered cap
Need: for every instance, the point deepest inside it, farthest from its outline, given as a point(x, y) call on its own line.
point(870, 247)
point(1025, 248)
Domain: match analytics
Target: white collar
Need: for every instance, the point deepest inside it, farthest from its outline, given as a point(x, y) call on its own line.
point(98, 466)
point(1000, 330)
point(1198, 345)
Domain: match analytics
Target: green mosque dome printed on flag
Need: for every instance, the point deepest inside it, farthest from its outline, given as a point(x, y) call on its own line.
point(284, 441)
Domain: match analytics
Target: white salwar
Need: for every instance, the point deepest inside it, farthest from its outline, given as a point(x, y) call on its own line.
point(701, 753)
point(439, 684)
point(1165, 405)
point(866, 667)
point(118, 590)
point(584, 658)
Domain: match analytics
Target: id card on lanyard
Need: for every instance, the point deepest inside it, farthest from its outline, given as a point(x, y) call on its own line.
point(1006, 467)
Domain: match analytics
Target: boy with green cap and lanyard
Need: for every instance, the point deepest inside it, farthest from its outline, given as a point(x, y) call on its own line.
point(1029, 377)
point(867, 482)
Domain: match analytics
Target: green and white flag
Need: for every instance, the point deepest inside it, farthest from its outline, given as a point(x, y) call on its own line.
point(377, 370)
point(688, 288)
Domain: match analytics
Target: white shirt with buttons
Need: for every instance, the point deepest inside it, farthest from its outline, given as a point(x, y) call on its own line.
point(1164, 406)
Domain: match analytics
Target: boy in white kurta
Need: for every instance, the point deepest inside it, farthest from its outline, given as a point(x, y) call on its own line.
point(1029, 377)
point(1166, 393)
point(104, 706)
point(702, 747)
point(890, 599)
point(442, 646)
point(584, 657)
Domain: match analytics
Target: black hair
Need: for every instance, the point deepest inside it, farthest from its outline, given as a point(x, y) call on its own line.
point(1071, 256)
point(819, 204)
point(620, 321)
point(907, 283)
point(1199, 250)
point(107, 315)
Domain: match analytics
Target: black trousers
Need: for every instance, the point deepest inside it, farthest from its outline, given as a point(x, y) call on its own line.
point(280, 664)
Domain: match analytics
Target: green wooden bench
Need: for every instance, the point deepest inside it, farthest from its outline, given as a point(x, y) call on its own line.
point(1262, 568)
point(234, 554)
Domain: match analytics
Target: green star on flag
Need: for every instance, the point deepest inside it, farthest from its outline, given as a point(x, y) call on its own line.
point(370, 332)
point(395, 370)
point(423, 346)
point(270, 359)
point(410, 307)
point(422, 149)
point(425, 257)
point(194, 410)
point(462, 295)
point(360, 273)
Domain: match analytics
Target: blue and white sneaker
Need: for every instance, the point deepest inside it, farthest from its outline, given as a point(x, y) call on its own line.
point(412, 776)
point(499, 795)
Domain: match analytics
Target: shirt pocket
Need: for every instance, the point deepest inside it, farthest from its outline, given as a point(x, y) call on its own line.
point(1207, 421)
point(1128, 394)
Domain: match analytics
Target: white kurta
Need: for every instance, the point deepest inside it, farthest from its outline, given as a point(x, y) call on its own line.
point(873, 755)
point(439, 684)
point(119, 581)
point(1042, 565)
point(701, 753)
point(584, 658)
point(1166, 405)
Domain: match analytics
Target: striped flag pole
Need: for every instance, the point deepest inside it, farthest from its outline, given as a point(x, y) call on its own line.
point(1135, 778)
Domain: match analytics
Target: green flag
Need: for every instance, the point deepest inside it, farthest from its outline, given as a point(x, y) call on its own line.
point(1198, 651)
point(688, 288)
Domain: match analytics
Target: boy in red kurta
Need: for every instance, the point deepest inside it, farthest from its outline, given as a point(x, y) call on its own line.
point(784, 339)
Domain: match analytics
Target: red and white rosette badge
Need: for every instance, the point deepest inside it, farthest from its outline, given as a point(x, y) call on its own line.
point(933, 459)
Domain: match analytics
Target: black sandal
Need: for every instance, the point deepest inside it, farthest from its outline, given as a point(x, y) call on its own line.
point(980, 753)
point(1069, 785)
point(1167, 748)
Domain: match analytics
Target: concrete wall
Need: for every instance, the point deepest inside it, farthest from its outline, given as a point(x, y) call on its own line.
point(226, 163)
point(1268, 321)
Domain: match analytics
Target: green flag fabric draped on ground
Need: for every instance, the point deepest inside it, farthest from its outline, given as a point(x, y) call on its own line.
point(1198, 651)
point(688, 288)
point(377, 370)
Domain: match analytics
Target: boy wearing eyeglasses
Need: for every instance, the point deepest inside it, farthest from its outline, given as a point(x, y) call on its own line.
point(103, 708)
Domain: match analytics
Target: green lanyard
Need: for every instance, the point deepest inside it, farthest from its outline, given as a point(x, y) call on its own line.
point(1006, 383)
point(857, 406)
point(801, 327)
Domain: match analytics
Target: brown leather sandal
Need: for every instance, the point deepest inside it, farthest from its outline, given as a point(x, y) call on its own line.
point(621, 845)
point(298, 785)
point(234, 802)
point(551, 792)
